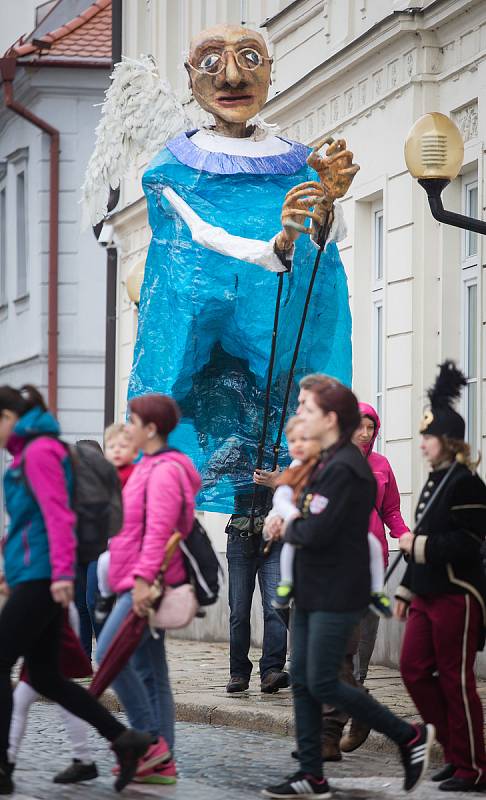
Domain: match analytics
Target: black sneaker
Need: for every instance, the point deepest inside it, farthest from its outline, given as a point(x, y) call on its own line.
point(103, 606)
point(6, 782)
point(380, 603)
point(415, 755)
point(76, 772)
point(300, 785)
point(129, 747)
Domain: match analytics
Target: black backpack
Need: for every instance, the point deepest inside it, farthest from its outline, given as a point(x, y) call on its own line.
point(202, 564)
point(200, 559)
point(96, 499)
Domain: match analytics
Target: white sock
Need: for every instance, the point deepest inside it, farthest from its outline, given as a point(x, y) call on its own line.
point(287, 564)
point(77, 730)
point(377, 566)
point(23, 697)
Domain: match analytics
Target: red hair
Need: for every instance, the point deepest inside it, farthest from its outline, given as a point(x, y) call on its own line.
point(331, 395)
point(163, 411)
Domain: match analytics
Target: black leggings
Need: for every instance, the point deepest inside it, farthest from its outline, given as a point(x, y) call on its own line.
point(30, 626)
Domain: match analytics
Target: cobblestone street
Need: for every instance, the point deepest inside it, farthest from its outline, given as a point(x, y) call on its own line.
point(213, 762)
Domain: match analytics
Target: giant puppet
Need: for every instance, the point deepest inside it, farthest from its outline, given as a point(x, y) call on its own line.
point(227, 204)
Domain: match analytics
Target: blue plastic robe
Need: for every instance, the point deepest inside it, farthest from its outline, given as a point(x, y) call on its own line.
point(205, 320)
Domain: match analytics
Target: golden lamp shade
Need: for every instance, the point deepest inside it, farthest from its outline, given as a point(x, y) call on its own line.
point(134, 281)
point(434, 148)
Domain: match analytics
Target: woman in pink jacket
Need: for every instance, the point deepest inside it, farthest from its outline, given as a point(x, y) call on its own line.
point(158, 499)
point(386, 512)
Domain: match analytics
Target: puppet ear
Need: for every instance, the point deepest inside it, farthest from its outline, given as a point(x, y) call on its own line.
point(140, 113)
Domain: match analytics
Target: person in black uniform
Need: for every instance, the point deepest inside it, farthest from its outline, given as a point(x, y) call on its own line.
point(332, 591)
point(443, 592)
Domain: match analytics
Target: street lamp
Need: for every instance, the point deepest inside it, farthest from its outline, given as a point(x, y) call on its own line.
point(434, 152)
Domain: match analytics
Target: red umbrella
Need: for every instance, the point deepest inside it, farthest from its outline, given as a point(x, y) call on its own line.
point(128, 636)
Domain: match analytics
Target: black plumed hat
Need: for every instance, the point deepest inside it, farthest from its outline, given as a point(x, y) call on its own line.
point(441, 419)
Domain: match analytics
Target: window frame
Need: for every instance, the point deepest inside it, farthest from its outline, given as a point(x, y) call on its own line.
point(470, 277)
point(3, 243)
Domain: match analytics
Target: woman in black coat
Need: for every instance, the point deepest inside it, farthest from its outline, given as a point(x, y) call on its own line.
point(443, 592)
point(332, 591)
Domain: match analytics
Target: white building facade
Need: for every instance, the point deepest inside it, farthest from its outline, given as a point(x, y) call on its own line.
point(68, 98)
point(363, 70)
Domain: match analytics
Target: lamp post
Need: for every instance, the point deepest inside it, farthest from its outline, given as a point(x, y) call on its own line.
point(434, 152)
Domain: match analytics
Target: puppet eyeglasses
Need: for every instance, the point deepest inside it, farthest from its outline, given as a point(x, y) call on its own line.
point(214, 63)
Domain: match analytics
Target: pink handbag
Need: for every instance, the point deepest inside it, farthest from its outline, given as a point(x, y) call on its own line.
point(177, 608)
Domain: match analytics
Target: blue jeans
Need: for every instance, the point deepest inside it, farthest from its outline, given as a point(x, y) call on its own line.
point(86, 587)
point(319, 640)
point(244, 564)
point(143, 684)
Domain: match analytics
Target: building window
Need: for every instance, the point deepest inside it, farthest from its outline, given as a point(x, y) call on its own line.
point(21, 236)
point(378, 363)
point(378, 245)
point(3, 246)
point(470, 314)
point(471, 210)
point(471, 361)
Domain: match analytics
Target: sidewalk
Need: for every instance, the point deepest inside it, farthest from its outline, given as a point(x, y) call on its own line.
point(199, 673)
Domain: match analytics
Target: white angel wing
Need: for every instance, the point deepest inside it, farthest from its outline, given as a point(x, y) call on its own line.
point(140, 113)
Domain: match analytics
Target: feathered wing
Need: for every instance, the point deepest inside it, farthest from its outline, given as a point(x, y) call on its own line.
point(140, 113)
point(448, 385)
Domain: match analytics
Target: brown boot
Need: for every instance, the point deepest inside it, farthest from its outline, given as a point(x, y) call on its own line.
point(356, 736)
point(332, 730)
point(330, 750)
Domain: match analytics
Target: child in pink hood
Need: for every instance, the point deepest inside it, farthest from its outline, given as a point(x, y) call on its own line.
point(387, 504)
point(386, 512)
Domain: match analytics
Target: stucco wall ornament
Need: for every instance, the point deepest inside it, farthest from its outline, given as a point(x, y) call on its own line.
point(466, 120)
point(229, 205)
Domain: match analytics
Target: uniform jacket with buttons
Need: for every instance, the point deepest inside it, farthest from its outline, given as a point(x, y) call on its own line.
point(446, 553)
point(332, 570)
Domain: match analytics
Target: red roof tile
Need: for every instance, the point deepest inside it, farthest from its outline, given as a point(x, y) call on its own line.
point(86, 38)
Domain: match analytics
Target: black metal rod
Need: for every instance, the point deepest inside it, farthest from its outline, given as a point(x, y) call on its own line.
point(434, 188)
point(266, 412)
point(323, 235)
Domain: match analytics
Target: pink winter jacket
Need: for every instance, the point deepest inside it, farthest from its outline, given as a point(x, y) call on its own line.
point(158, 499)
point(387, 503)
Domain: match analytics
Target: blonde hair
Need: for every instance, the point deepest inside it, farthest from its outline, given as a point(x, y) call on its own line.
point(292, 423)
point(113, 430)
point(460, 451)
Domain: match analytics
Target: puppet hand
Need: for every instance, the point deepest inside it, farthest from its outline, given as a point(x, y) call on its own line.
point(296, 210)
point(336, 169)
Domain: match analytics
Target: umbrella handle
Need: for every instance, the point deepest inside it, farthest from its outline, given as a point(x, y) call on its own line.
point(170, 549)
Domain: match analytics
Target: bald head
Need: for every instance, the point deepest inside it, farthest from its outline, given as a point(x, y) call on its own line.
point(229, 71)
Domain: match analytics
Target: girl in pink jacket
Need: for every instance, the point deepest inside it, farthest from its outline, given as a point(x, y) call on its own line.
point(158, 499)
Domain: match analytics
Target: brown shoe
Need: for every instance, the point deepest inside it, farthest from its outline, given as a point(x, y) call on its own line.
point(237, 684)
point(273, 681)
point(356, 736)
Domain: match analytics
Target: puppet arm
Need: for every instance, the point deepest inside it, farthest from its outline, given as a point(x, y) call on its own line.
point(255, 251)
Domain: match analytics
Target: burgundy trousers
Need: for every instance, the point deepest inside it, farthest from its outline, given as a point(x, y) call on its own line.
point(438, 653)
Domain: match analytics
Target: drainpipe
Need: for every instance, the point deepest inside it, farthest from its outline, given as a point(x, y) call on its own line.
point(7, 69)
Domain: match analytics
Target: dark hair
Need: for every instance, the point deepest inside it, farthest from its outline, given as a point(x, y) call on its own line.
point(21, 400)
point(331, 395)
point(163, 411)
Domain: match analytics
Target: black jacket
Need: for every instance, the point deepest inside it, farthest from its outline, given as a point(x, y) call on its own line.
point(446, 555)
point(332, 559)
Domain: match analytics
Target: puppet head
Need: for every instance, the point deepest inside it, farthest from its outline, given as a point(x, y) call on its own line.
point(229, 73)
